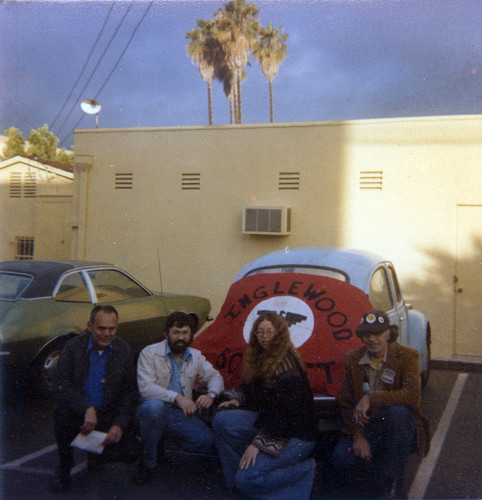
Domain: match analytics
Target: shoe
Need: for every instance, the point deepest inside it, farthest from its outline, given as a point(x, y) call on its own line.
point(143, 474)
point(60, 481)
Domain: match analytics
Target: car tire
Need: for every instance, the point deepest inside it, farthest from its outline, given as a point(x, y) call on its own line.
point(44, 368)
point(424, 376)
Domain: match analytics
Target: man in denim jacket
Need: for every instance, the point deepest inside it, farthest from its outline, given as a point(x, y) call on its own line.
point(166, 373)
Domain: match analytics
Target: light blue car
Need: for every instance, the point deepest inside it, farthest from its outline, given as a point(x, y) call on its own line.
point(367, 271)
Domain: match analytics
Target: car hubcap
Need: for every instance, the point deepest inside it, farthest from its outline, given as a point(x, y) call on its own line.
point(49, 366)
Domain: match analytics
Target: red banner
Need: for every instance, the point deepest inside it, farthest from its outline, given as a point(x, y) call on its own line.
point(322, 314)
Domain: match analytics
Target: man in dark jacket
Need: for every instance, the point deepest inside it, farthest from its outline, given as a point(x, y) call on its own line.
point(95, 388)
point(380, 404)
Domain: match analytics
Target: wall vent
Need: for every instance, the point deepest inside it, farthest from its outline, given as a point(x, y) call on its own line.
point(15, 188)
point(274, 221)
point(124, 180)
point(289, 180)
point(23, 185)
point(191, 181)
point(371, 179)
point(29, 184)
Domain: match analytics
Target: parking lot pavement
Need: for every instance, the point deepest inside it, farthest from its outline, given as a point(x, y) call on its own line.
point(28, 455)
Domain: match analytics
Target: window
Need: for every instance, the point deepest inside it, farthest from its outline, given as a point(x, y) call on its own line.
point(73, 289)
point(24, 248)
point(111, 285)
point(380, 295)
point(12, 285)
point(319, 271)
point(396, 286)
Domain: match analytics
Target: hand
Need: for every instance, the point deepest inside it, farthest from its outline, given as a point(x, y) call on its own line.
point(204, 401)
point(231, 402)
point(114, 435)
point(187, 405)
point(361, 447)
point(360, 413)
point(90, 421)
point(249, 457)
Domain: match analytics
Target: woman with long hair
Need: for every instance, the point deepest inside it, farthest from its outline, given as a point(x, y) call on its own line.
point(265, 443)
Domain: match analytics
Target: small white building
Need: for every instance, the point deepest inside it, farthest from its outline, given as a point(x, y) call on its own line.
point(35, 210)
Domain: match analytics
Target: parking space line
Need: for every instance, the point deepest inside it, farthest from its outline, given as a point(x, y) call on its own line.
point(427, 465)
point(31, 456)
point(34, 470)
point(17, 464)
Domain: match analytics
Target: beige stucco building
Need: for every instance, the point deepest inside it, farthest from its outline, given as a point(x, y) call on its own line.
point(35, 210)
point(408, 189)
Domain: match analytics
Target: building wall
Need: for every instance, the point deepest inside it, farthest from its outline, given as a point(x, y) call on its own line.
point(427, 167)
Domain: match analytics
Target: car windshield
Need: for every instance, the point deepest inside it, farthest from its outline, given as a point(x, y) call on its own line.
point(319, 271)
point(13, 285)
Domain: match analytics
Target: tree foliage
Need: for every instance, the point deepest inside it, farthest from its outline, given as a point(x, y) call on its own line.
point(269, 51)
point(41, 145)
point(15, 144)
point(221, 48)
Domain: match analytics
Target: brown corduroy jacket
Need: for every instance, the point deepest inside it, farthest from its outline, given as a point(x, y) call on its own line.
point(405, 390)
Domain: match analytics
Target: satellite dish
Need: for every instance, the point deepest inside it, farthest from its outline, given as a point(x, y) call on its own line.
point(91, 107)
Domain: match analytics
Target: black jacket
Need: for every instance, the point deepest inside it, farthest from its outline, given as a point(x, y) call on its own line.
point(120, 391)
point(285, 406)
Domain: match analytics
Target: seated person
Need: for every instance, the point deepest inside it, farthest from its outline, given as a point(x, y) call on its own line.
point(380, 403)
point(95, 387)
point(166, 372)
point(265, 446)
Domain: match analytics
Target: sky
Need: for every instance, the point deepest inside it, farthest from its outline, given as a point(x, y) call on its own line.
point(347, 60)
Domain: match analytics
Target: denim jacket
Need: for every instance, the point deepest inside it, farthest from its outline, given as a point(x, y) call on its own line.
point(154, 373)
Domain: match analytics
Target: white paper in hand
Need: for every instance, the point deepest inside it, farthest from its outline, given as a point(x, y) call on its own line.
point(90, 442)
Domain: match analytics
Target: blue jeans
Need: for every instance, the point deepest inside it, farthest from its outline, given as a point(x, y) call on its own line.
point(158, 419)
point(391, 434)
point(286, 477)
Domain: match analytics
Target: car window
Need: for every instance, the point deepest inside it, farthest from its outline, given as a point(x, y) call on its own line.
point(396, 286)
point(111, 285)
point(12, 285)
point(379, 294)
point(73, 289)
point(319, 271)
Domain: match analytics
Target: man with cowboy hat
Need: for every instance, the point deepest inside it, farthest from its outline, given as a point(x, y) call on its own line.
point(380, 404)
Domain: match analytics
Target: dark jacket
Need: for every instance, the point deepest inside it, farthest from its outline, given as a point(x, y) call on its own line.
point(285, 406)
point(120, 391)
point(405, 389)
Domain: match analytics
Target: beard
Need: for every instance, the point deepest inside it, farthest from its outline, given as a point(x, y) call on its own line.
point(177, 346)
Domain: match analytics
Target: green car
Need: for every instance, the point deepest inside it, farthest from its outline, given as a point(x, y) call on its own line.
point(45, 303)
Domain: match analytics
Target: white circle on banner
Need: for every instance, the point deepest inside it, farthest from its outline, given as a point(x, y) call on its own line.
point(296, 312)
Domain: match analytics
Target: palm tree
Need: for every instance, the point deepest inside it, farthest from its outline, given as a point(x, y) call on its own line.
point(269, 51)
point(235, 29)
point(204, 50)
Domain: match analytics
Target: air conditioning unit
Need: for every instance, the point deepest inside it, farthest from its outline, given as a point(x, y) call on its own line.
point(274, 221)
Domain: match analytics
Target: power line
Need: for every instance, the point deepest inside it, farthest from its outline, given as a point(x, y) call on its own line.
point(116, 64)
point(83, 67)
point(96, 66)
